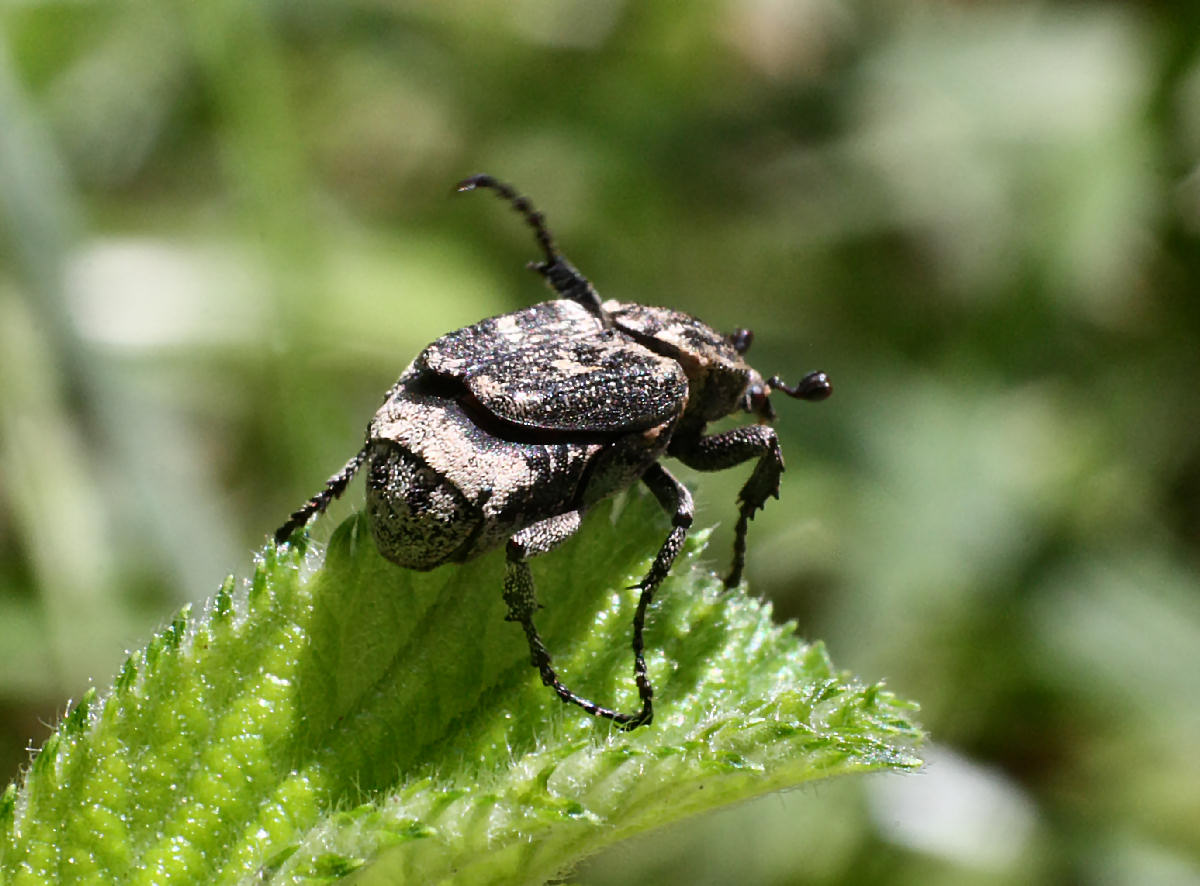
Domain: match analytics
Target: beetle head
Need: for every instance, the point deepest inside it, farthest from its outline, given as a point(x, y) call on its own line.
point(757, 397)
point(720, 381)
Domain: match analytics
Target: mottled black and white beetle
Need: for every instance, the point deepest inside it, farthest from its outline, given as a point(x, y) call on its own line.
point(509, 430)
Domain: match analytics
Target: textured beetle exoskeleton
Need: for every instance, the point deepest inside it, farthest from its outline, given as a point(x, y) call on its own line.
point(507, 431)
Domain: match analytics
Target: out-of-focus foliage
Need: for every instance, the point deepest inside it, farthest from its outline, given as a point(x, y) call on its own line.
point(225, 227)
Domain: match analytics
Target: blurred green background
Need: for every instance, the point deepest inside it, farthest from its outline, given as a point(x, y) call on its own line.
point(226, 226)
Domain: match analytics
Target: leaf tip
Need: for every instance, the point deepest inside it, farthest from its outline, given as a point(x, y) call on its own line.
point(8, 804)
point(77, 719)
point(223, 602)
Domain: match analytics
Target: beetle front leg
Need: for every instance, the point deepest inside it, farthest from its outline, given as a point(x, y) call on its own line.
point(521, 600)
point(724, 450)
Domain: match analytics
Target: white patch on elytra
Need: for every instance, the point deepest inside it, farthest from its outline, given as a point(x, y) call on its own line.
point(570, 367)
point(508, 325)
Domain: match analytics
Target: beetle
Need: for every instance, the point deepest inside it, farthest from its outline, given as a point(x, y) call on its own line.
point(507, 431)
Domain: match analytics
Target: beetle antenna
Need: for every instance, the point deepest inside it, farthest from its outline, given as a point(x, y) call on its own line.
point(814, 386)
point(559, 273)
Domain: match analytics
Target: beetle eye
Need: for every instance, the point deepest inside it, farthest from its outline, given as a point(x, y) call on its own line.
point(741, 340)
point(758, 402)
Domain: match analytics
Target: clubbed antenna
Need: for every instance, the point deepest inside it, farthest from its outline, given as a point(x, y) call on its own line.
point(814, 386)
point(559, 273)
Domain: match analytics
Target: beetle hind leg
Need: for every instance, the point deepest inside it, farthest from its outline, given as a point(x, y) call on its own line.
point(334, 487)
point(562, 276)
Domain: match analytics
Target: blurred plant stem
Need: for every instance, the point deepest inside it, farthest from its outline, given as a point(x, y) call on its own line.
point(43, 363)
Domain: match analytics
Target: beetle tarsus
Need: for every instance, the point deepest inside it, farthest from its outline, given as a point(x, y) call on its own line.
point(725, 450)
point(521, 204)
point(334, 487)
point(562, 276)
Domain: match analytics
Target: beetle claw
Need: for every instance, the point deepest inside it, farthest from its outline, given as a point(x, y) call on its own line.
point(521, 204)
point(475, 181)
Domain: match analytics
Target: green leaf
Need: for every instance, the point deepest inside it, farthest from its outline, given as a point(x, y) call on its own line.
point(356, 718)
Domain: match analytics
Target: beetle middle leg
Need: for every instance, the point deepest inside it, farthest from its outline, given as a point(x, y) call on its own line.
point(677, 501)
point(522, 602)
point(730, 448)
point(544, 536)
